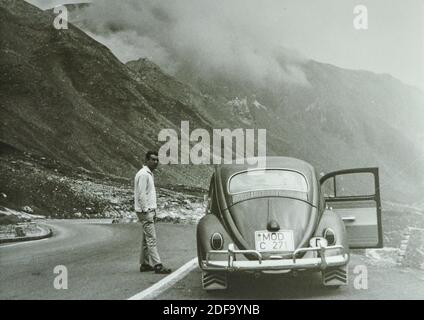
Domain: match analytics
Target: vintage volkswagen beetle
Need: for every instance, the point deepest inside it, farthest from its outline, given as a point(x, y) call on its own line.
point(282, 218)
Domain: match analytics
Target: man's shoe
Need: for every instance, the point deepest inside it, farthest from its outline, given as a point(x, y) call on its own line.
point(146, 267)
point(160, 269)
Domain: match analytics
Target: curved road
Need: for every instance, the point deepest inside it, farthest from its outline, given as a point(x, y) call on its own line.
point(101, 260)
point(102, 263)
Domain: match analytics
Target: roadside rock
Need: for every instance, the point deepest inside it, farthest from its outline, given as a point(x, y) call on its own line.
point(386, 256)
point(414, 249)
point(78, 215)
point(27, 209)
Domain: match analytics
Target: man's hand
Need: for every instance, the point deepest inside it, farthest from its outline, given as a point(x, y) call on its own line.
point(148, 210)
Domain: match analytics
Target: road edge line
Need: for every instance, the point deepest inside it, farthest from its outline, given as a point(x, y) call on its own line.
point(48, 232)
point(165, 283)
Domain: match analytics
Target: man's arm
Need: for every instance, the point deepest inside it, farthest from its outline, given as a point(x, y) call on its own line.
point(142, 194)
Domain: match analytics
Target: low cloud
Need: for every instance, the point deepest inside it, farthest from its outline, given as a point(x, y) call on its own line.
point(212, 38)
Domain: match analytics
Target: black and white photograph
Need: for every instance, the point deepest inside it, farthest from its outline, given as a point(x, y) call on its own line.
point(227, 151)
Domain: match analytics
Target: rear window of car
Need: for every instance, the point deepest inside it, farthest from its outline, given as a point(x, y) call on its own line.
point(269, 179)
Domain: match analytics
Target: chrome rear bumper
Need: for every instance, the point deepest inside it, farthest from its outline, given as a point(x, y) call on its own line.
point(231, 264)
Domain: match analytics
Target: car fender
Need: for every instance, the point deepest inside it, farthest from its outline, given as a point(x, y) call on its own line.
point(208, 225)
point(331, 220)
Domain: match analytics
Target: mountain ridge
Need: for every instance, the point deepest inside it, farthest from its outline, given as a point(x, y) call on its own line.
point(67, 97)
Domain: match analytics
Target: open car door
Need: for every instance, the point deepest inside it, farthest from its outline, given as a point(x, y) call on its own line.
point(355, 196)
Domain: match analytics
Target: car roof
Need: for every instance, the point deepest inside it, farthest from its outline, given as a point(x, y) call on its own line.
point(288, 163)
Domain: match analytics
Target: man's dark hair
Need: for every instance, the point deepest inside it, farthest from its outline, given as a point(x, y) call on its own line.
point(149, 153)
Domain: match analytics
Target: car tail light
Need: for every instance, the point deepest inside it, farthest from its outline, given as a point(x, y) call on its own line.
point(217, 241)
point(330, 236)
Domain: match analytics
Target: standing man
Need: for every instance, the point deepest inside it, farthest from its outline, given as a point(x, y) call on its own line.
point(145, 207)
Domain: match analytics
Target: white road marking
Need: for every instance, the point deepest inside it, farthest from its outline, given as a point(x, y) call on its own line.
point(167, 282)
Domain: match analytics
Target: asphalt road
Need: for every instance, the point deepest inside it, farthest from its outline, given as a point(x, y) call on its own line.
point(383, 282)
point(101, 260)
point(102, 263)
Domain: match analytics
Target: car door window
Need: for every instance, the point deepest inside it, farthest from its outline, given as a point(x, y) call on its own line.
point(353, 185)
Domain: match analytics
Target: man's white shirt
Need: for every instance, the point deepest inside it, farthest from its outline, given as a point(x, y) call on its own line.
point(144, 190)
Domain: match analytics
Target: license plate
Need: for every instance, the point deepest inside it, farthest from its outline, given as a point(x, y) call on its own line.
point(274, 241)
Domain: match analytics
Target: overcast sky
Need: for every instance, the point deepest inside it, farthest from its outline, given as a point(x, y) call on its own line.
point(319, 29)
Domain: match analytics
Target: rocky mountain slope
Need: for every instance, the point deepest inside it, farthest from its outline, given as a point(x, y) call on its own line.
point(341, 119)
point(38, 185)
point(66, 97)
